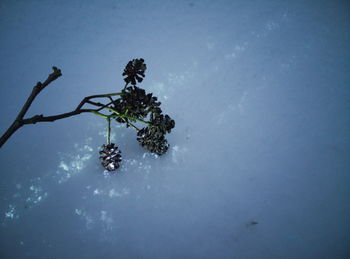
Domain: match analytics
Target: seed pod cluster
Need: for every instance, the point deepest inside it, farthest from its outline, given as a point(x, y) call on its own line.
point(153, 140)
point(134, 104)
point(153, 137)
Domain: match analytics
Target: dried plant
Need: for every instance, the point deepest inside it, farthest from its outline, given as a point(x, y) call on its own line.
point(129, 106)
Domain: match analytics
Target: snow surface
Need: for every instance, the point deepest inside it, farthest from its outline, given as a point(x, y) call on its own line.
point(260, 94)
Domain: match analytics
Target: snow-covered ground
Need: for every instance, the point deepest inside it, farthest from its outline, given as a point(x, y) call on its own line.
point(258, 165)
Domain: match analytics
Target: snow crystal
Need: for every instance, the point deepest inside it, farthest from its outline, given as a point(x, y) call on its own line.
point(113, 193)
point(83, 215)
point(178, 153)
point(37, 194)
point(271, 25)
point(11, 213)
point(106, 219)
point(64, 166)
point(103, 215)
point(73, 163)
point(88, 148)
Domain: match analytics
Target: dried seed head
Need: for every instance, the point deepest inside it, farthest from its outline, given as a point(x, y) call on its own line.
point(135, 71)
point(153, 140)
point(110, 157)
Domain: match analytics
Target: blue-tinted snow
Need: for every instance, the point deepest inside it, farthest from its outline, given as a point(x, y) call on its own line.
point(260, 94)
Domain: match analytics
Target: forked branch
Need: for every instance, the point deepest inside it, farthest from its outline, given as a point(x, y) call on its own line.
point(21, 121)
point(131, 105)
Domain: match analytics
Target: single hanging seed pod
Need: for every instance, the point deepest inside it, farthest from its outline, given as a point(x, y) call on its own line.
point(110, 157)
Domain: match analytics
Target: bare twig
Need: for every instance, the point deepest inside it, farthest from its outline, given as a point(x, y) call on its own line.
point(36, 90)
point(41, 118)
point(21, 121)
point(88, 98)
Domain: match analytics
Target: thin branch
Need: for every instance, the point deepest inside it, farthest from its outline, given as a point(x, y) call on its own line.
point(36, 90)
point(41, 118)
point(94, 103)
point(86, 99)
point(132, 125)
point(103, 106)
point(20, 121)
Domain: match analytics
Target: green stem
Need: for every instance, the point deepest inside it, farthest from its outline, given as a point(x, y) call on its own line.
point(132, 125)
point(108, 130)
point(126, 116)
point(99, 114)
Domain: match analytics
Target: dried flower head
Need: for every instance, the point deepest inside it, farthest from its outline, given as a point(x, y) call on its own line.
point(135, 71)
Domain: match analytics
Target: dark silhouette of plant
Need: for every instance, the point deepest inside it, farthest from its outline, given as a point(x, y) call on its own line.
point(129, 106)
point(135, 70)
